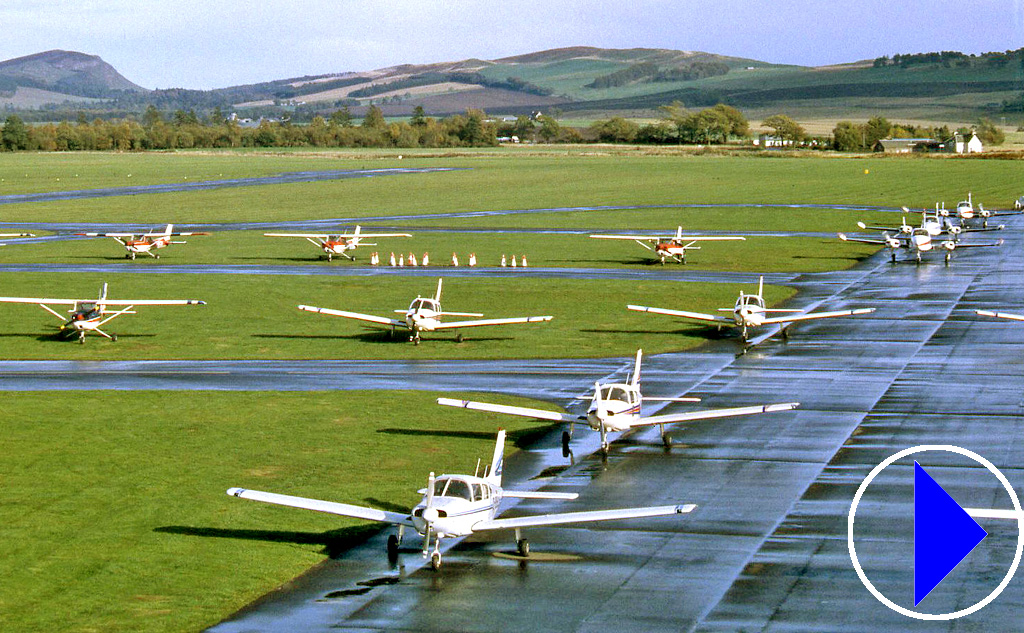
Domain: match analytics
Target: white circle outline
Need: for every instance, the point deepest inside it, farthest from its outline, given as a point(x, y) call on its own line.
point(1016, 557)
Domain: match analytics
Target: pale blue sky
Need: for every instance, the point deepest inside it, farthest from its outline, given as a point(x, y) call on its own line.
point(189, 44)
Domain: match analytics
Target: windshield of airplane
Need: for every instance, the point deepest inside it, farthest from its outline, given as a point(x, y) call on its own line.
point(754, 300)
point(615, 393)
point(452, 488)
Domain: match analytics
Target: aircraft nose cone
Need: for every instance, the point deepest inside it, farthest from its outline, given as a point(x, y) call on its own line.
point(430, 515)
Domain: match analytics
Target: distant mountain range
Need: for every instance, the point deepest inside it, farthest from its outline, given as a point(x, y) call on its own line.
point(580, 79)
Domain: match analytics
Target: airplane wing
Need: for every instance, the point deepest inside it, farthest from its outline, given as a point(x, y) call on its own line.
point(330, 507)
point(376, 235)
point(305, 235)
point(108, 234)
point(582, 517)
point(483, 322)
point(715, 413)
point(510, 410)
point(147, 302)
point(1001, 315)
point(682, 313)
point(986, 513)
point(978, 245)
point(817, 315)
point(324, 236)
point(40, 300)
point(355, 315)
point(863, 240)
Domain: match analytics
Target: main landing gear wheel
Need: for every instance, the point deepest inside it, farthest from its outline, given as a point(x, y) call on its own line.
point(435, 561)
point(523, 546)
point(565, 443)
point(113, 337)
point(392, 548)
point(459, 337)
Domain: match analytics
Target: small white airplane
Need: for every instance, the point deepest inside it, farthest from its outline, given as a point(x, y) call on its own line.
point(1001, 315)
point(750, 312)
point(615, 407)
point(966, 210)
point(146, 243)
point(919, 241)
point(16, 235)
point(673, 246)
point(460, 505)
point(89, 315)
point(339, 243)
point(424, 315)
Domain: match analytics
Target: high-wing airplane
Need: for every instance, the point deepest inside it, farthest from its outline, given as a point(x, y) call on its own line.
point(750, 312)
point(339, 243)
point(424, 315)
point(145, 243)
point(1001, 315)
point(89, 315)
point(615, 407)
point(460, 505)
point(673, 246)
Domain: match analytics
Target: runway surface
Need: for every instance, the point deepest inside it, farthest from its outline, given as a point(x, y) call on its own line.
point(766, 548)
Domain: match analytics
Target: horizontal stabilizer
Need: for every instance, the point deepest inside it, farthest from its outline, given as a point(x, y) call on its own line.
point(582, 517)
point(330, 507)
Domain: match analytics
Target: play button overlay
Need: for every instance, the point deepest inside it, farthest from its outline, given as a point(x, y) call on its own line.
point(944, 532)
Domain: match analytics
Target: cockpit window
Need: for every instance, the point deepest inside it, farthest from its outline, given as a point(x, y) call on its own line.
point(615, 393)
point(452, 488)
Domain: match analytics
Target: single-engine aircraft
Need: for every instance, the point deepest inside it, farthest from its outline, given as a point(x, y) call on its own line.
point(339, 243)
point(965, 210)
point(424, 315)
point(750, 312)
point(673, 246)
point(615, 407)
point(460, 505)
point(15, 235)
point(145, 243)
point(1001, 315)
point(89, 315)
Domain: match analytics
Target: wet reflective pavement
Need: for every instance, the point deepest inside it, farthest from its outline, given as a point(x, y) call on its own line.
point(766, 548)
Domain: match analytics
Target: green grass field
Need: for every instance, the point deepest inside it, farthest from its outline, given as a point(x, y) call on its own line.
point(114, 515)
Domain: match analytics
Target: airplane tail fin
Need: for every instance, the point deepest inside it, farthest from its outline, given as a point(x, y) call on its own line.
point(169, 229)
point(760, 287)
point(494, 472)
point(437, 297)
point(103, 293)
point(358, 228)
point(635, 379)
point(679, 233)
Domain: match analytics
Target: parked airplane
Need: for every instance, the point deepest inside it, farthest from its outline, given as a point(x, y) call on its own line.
point(89, 315)
point(1001, 315)
point(750, 312)
point(675, 246)
point(919, 241)
point(424, 315)
point(339, 243)
point(966, 210)
point(145, 243)
point(461, 505)
point(615, 407)
point(15, 235)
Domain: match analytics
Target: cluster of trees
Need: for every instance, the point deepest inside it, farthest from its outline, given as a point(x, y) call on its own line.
point(948, 59)
point(852, 137)
point(678, 125)
point(185, 130)
point(649, 72)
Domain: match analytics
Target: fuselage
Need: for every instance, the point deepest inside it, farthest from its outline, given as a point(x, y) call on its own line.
point(423, 315)
point(146, 244)
point(336, 245)
point(921, 240)
point(749, 311)
point(85, 316)
point(671, 248)
point(617, 409)
point(460, 502)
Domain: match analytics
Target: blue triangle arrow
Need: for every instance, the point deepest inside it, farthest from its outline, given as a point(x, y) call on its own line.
point(944, 534)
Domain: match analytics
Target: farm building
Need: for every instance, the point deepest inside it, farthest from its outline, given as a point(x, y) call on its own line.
point(958, 144)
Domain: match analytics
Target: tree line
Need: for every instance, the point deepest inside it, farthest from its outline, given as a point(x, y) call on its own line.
point(852, 137)
point(650, 72)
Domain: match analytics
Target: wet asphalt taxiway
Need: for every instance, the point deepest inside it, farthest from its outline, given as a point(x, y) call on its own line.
point(766, 549)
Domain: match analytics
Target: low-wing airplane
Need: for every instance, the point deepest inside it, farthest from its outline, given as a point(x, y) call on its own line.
point(460, 505)
point(919, 241)
point(89, 315)
point(146, 243)
point(339, 243)
point(615, 407)
point(1001, 315)
point(966, 210)
point(673, 246)
point(750, 312)
point(424, 315)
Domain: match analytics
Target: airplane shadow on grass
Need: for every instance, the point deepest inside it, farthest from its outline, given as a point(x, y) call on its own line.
point(335, 542)
point(383, 336)
point(710, 332)
point(523, 438)
point(57, 337)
